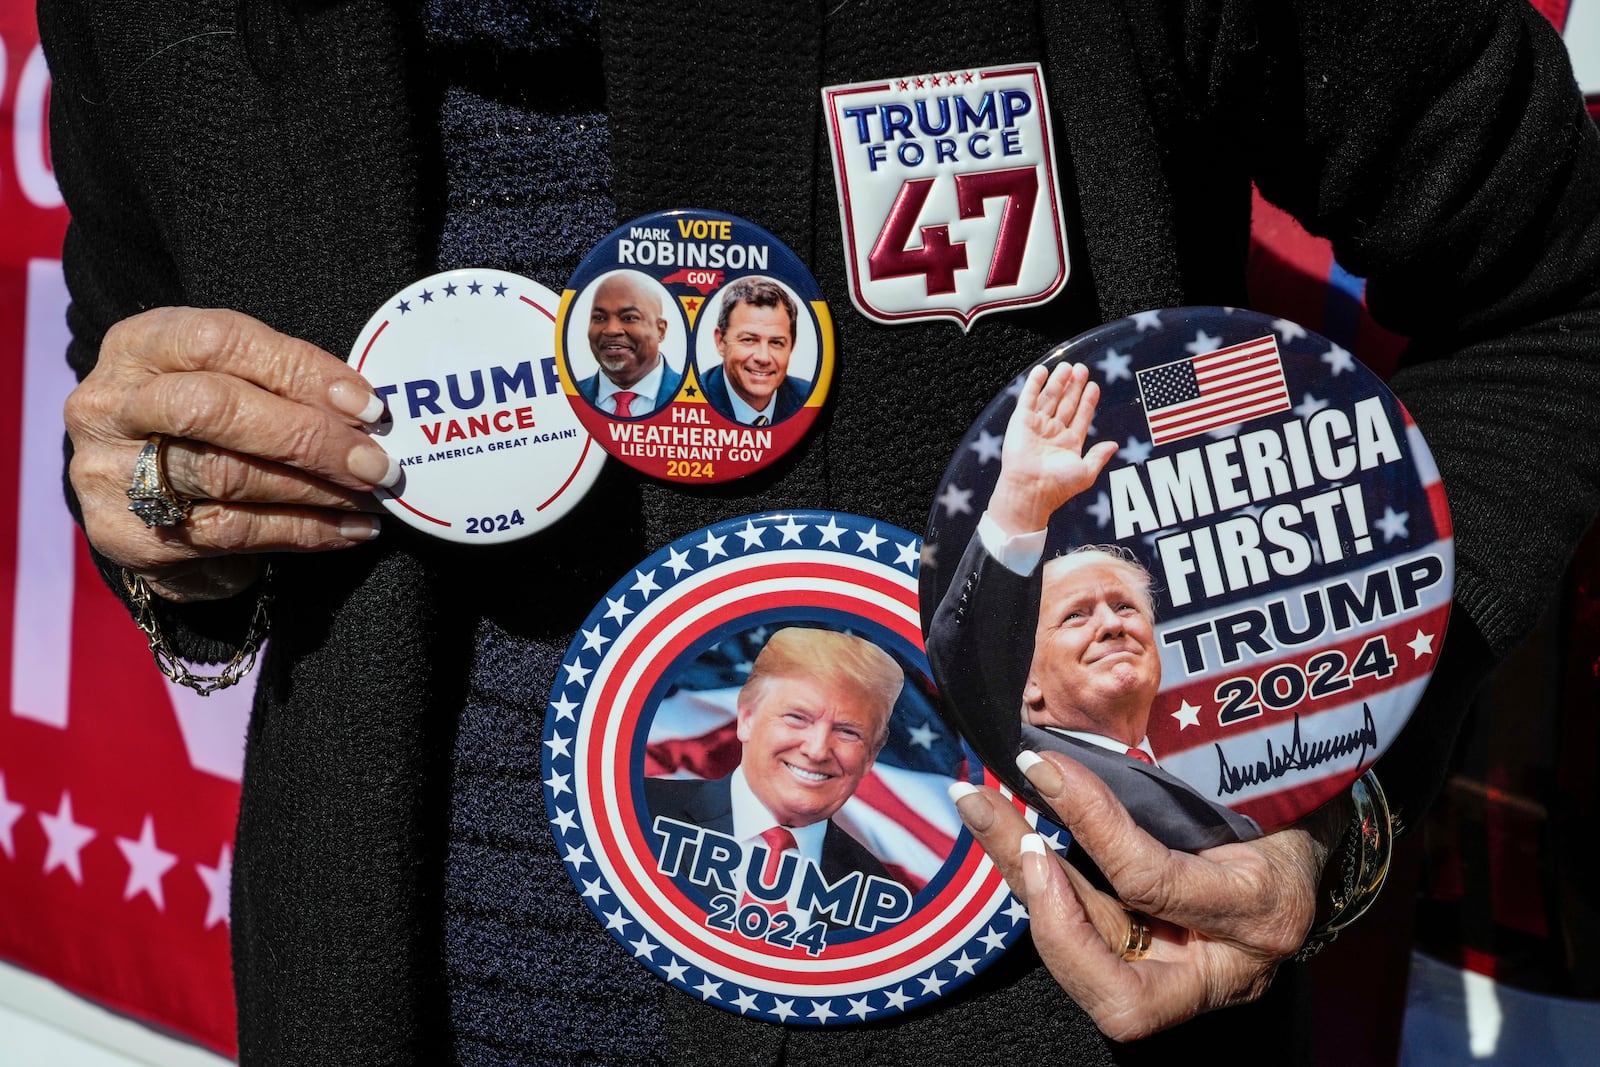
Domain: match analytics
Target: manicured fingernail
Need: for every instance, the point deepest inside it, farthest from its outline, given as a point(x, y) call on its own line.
point(355, 400)
point(1032, 853)
point(1043, 774)
point(975, 813)
point(373, 465)
point(359, 527)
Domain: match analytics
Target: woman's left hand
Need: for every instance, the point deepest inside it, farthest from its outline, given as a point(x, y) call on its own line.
point(1221, 920)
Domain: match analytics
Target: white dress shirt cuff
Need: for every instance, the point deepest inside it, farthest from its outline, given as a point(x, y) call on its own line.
point(1017, 553)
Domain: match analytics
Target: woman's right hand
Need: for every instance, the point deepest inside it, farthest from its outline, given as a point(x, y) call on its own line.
point(263, 432)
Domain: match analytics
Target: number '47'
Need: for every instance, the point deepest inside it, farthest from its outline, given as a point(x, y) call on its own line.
point(938, 258)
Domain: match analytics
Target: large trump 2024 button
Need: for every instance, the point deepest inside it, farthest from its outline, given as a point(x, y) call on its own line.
point(747, 776)
point(1273, 589)
point(695, 346)
point(489, 448)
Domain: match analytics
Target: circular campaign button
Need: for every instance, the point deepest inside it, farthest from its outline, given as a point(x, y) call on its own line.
point(489, 449)
point(1271, 592)
point(747, 776)
point(695, 346)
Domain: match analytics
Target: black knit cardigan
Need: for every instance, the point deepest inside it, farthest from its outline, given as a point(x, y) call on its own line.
point(280, 159)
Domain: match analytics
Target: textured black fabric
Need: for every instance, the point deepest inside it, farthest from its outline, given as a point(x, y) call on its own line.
point(274, 164)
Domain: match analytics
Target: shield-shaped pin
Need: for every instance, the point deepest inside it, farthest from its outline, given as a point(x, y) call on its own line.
point(947, 193)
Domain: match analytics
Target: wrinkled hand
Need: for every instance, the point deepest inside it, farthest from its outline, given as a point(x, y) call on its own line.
point(263, 430)
point(1042, 462)
point(1222, 919)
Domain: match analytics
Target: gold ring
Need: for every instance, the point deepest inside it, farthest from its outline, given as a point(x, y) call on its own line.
point(1136, 946)
point(151, 494)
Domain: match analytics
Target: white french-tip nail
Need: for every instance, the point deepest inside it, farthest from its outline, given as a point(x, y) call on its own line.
point(390, 476)
point(363, 528)
point(1027, 759)
point(958, 790)
point(1031, 843)
point(373, 411)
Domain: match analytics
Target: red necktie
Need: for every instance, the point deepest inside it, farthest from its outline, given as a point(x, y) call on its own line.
point(1141, 755)
point(625, 401)
point(778, 840)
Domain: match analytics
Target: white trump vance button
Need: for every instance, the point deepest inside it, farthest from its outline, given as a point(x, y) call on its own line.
point(489, 448)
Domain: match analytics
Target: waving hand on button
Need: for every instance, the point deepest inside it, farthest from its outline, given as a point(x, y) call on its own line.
point(240, 440)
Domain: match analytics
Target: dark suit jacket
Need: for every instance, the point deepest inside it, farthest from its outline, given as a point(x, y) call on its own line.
point(589, 388)
point(981, 646)
point(708, 804)
point(1163, 804)
point(791, 395)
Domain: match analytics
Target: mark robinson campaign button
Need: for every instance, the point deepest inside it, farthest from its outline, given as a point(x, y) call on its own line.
point(695, 346)
point(1272, 585)
point(746, 775)
point(489, 449)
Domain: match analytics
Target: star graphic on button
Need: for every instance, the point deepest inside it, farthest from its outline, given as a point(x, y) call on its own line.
point(1338, 360)
point(932, 983)
point(831, 533)
point(499, 289)
point(1100, 509)
point(678, 562)
point(1393, 523)
point(783, 1009)
point(148, 863)
point(922, 736)
point(751, 535)
point(1188, 715)
point(791, 532)
point(1147, 320)
point(745, 1001)
point(896, 999)
point(1309, 406)
point(821, 1011)
point(1135, 451)
point(1421, 645)
point(1288, 330)
point(673, 970)
point(906, 555)
point(708, 989)
point(987, 446)
point(1202, 344)
point(644, 946)
point(870, 541)
point(558, 783)
point(860, 1008)
point(645, 583)
point(712, 546)
point(1115, 365)
point(563, 707)
point(955, 500)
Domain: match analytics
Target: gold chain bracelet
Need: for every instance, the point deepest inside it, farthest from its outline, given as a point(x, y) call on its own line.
point(244, 657)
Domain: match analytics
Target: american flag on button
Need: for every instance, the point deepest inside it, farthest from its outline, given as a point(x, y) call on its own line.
point(1194, 396)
